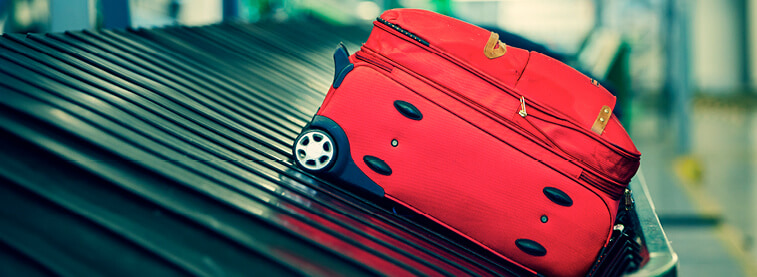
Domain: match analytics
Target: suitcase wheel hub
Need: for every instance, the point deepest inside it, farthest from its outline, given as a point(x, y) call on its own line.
point(314, 150)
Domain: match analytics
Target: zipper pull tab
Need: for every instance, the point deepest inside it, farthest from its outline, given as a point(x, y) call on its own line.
point(522, 111)
point(628, 199)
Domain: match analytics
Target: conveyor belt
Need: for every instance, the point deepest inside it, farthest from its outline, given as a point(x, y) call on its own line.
point(167, 152)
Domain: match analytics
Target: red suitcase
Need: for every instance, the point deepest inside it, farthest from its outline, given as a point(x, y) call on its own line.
point(511, 149)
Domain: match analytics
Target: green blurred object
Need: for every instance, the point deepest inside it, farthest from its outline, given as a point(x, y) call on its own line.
point(443, 7)
point(25, 16)
point(254, 10)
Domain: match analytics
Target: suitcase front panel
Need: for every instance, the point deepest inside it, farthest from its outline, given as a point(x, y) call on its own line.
point(460, 175)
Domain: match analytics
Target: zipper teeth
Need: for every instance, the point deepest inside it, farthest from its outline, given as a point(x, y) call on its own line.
point(384, 27)
point(402, 31)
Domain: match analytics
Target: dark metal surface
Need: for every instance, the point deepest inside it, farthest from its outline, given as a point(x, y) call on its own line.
point(661, 259)
point(167, 152)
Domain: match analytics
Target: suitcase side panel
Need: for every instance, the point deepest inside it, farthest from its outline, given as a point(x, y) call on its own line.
point(460, 175)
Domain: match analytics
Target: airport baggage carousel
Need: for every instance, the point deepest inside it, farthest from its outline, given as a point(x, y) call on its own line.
point(167, 152)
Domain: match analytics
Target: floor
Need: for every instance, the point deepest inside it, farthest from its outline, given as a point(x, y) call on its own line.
point(705, 196)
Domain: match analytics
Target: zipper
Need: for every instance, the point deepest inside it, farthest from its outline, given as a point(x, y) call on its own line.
point(622, 151)
point(392, 29)
point(522, 111)
point(591, 168)
point(614, 191)
point(402, 31)
point(611, 183)
point(363, 57)
point(628, 202)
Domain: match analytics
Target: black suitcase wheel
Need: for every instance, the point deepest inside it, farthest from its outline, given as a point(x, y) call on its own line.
point(314, 150)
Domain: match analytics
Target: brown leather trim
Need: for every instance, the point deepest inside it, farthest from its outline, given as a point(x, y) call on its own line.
point(489, 49)
point(601, 122)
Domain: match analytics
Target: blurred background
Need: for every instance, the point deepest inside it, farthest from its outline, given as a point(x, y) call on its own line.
point(684, 72)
